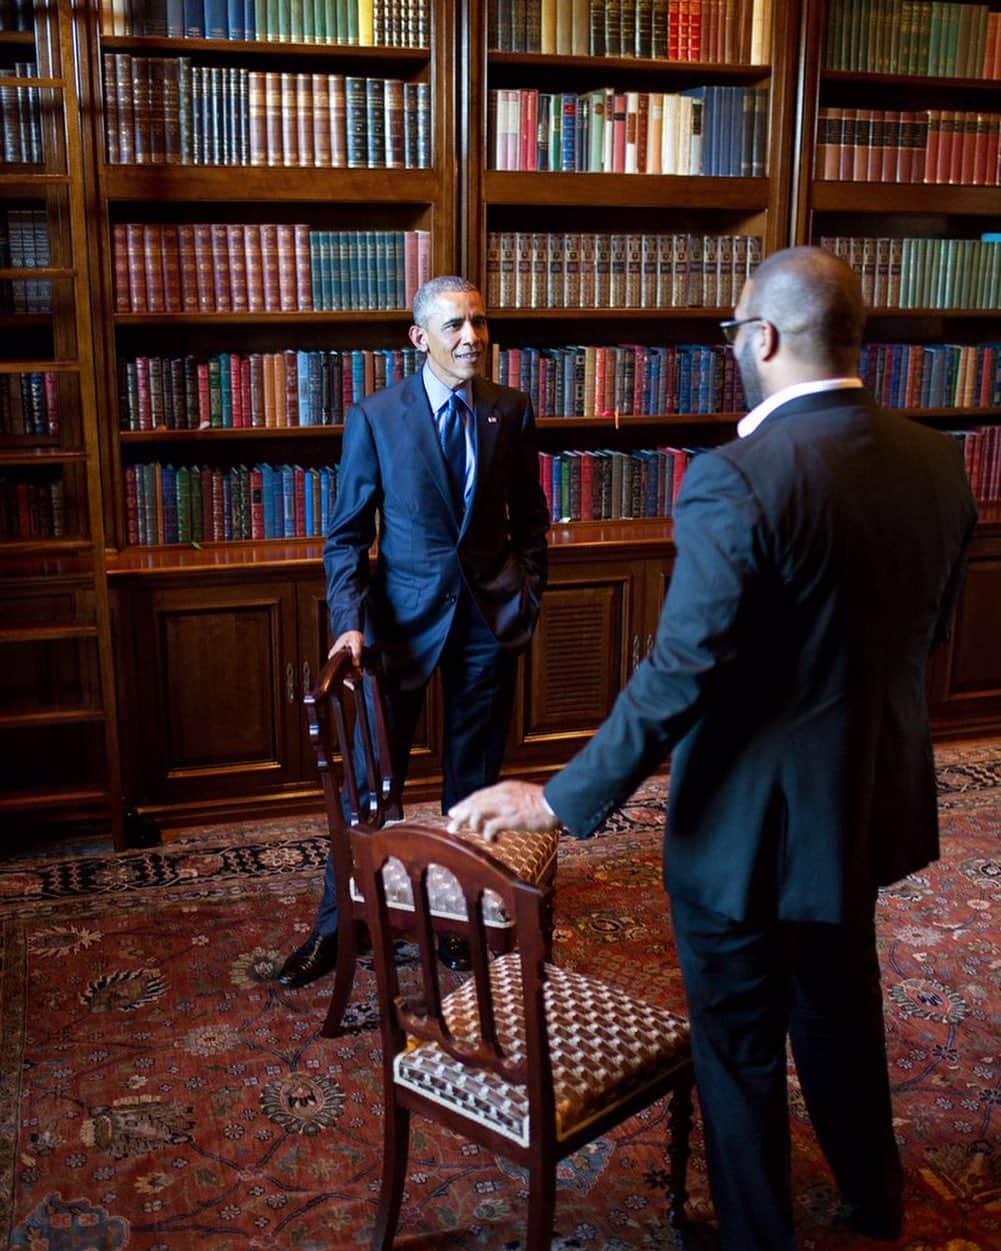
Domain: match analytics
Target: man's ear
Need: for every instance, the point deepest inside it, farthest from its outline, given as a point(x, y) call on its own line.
point(418, 338)
point(769, 342)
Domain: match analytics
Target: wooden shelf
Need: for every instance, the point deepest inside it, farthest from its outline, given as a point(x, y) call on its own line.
point(40, 456)
point(907, 197)
point(604, 314)
point(286, 183)
point(637, 420)
point(736, 73)
point(41, 547)
point(47, 634)
point(22, 184)
point(67, 797)
point(625, 191)
point(215, 434)
point(237, 319)
point(146, 44)
point(910, 80)
point(34, 719)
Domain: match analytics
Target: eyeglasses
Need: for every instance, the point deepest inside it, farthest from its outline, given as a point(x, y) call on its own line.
point(730, 328)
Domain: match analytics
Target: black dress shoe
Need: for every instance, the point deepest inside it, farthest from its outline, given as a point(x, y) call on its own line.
point(882, 1226)
point(316, 956)
point(453, 952)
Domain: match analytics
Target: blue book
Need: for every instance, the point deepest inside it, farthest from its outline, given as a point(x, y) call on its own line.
point(308, 499)
point(569, 146)
point(325, 499)
point(216, 25)
point(169, 504)
point(249, 19)
point(307, 404)
point(175, 19)
point(194, 19)
point(267, 500)
point(357, 376)
point(235, 20)
point(285, 480)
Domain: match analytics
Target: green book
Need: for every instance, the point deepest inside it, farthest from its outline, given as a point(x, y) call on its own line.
point(296, 19)
point(225, 390)
point(184, 530)
point(197, 515)
point(215, 393)
point(936, 38)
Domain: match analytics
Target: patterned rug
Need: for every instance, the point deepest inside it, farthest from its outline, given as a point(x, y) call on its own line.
point(161, 1092)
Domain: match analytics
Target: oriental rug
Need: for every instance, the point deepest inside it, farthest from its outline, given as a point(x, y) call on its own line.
point(161, 1092)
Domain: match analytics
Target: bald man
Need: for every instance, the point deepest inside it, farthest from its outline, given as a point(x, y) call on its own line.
point(819, 557)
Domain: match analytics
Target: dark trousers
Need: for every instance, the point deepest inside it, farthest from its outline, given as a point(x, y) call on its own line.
point(478, 680)
point(748, 986)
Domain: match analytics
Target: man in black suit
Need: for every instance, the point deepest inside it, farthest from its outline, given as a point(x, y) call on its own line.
point(819, 557)
point(448, 461)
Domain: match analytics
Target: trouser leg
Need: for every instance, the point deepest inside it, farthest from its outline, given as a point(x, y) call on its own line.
point(738, 995)
point(839, 1046)
point(478, 679)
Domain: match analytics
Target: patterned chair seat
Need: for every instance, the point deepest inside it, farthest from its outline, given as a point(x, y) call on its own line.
point(604, 1045)
point(530, 856)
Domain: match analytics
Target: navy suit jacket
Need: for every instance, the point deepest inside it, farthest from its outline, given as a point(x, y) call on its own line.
point(392, 465)
point(818, 563)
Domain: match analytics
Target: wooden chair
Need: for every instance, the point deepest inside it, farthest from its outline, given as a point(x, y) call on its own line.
point(529, 1059)
point(344, 695)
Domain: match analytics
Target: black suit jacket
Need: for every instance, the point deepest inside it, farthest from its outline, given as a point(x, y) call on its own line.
point(392, 465)
point(818, 563)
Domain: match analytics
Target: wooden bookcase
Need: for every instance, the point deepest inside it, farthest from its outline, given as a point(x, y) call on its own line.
point(211, 644)
point(222, 637)
point(58, 732)
point(966, 676)
point(609, 578)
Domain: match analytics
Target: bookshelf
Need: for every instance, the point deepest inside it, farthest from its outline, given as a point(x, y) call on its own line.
point(580, 258)
point(268, 200)
point(58, 731)
point(907, 187)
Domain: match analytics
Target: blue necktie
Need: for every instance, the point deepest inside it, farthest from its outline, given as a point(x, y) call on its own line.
point(453, 444)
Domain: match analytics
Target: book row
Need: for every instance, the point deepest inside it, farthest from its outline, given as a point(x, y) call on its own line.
point(606, 485)
point(17, 15)
point(539, 270)
point(32, 507)
point(923, 273)
point(223, 267)
point(911, 145)
point(202, 504)
point(716, 131)
point(625, 380)
point(982, 455)
point(29, 404)
point(921, 37)
point(366, 23)
point(20, 119)
point(169, 111)
point(24, 244)
point(260, 391)
point(721, 31)
point(948, 375)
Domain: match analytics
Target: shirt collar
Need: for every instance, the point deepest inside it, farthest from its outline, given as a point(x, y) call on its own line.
point(747, 425)
point(438, 393)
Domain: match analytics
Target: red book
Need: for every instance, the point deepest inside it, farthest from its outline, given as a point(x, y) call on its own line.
point(121, 268)
point(423, 261)
point(299, 496)
point(982, 147)
point(144, 408)
point(846, 149)
point(131, 507)
point(269, 267)
point(235, 393)
point(828, 143)
point(222, 287)
point(860, 144)
point(254, 265)
point(876, 140)
point(204, 400)
point(619, 133)
point(303, 268)
point(681, 459)
point(204, 268)
point(188, 265)
point(257, 109)
point(967, 149)
point(171, 249)
point(890, 146)
point(256, 504)
point(933, 144)
point(587, 487)
point(236, 263)
point(246, 393)
point(546, 478)
point(528, 139)
point(285, 235)
point(153, 267)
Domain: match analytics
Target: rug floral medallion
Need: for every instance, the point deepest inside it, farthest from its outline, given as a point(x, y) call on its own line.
point(161, 1092)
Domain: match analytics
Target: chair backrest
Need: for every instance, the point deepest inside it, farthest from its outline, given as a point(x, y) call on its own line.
point(341, 709)
point(421, 1015)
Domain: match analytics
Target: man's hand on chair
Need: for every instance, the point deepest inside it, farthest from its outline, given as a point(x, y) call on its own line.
point(506, 806)
point(354, 641)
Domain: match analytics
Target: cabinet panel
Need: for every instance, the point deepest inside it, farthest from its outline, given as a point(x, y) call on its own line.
point(578, 659)
point(966, 678)
point(219, 669)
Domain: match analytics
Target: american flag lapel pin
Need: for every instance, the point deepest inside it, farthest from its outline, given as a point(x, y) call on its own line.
point(492, 419)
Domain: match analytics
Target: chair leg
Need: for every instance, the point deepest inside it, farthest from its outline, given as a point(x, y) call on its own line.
point(680, 1122)
point(344, 978)
point(548, 916)
point(541, 1205)
point(396, 1146)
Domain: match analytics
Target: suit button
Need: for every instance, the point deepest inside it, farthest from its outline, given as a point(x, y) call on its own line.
point(450, 599)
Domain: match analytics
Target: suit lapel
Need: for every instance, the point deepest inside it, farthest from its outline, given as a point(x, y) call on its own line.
point(420, 432)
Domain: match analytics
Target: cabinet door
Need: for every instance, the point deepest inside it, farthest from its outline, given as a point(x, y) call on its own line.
point(579, 659)
point(213, 703)
point(965, 679)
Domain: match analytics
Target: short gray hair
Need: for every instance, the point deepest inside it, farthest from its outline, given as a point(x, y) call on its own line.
point(425, 298)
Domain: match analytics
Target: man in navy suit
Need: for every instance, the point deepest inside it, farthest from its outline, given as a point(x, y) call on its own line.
point(819, 558)
point(448, 461)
